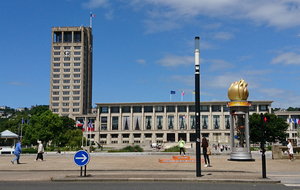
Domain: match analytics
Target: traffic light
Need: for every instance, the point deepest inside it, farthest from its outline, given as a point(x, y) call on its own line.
point(267, 119)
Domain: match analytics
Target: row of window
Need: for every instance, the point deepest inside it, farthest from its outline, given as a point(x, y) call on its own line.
point(67, 76)
point(65, 92)
point(65, 81)
point(66, 98)
point(67, 59)
point(66, 36)
point(65, 110)
point(158, 124)
point(149, 109)
point(66, 104)
point(66, 47)
point(67, 87)
point(66, 70)
point(169, 136)
point(66, 64)
point(75, 53)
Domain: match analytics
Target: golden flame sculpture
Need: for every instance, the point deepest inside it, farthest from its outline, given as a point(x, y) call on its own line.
point(238, 91)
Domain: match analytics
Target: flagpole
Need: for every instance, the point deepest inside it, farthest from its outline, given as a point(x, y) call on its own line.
point(90, 19)
point(19, 131)
point(22, 127)
point(86, 135)
point(90, 133)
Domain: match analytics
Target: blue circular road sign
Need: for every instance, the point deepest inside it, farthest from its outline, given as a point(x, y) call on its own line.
point(81, 158)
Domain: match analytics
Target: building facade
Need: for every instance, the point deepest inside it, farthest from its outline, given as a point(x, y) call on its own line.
point(127, 123)
point(71, 71)
point(292, 118)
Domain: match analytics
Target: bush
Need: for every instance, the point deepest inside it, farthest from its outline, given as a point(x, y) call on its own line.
point(136, 148)
point(173, 149)
point(29, 151)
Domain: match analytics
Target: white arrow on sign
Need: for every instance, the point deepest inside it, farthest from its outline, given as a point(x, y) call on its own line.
point(81, 158)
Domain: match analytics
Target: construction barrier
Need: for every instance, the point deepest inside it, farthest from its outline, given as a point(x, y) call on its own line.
point(179, 159)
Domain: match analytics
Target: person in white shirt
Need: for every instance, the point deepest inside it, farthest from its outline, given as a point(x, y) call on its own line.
point(40, 151)
point(290, 150)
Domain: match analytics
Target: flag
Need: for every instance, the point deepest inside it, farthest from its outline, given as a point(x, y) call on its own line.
point(194, 92)
point(92, 15)
point(79, 124)
point(91, 127)
point(83, 127)
point(27, 121)
point(290, 120)
point(23, 121)
point(182, 93)
point(172, 92)
point(298, 121)
point(88, 126)
point(295, 120)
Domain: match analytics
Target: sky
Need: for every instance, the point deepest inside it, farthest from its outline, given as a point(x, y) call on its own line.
point(143, 49)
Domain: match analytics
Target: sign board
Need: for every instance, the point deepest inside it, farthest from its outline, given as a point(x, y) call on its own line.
point(233, 103)
point(81, 158)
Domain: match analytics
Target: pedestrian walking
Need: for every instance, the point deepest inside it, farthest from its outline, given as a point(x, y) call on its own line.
point(206, 156)
point(40, 151)
point(17, 152)
point(290, 150)
point(181, 145)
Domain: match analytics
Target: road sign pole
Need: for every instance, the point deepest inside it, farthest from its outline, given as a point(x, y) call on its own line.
point(82, 158)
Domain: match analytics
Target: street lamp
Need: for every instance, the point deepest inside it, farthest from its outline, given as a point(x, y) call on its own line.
point(197, 106)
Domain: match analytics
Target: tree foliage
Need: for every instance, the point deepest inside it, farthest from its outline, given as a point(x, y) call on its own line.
point(74, 138)
point(292, 109)
point(43, 125)
point(275, 130)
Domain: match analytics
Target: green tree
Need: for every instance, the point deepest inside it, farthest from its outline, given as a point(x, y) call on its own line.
point(45, 127)
point(275, 130)
point(74, 138)
point(292, 109)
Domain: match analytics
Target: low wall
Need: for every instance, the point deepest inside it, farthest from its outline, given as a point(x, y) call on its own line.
point(280, 152)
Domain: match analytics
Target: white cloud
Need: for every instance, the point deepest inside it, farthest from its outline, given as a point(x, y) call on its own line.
point(109, 15)
point(95, 4)
point(141, 61)
point(272, 92)
point(223, 36)
point(172, 14)
point(243, 58)
point(217, 64)
point(287, 58)
point(160, 25)
point(277, 13)
point(176, 61)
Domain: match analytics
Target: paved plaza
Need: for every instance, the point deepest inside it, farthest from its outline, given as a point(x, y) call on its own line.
point(146, 167)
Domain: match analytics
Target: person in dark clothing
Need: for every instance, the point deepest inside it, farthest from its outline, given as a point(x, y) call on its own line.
point(206, 157)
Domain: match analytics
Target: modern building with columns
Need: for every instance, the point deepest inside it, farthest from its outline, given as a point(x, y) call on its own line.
point(293, 128)
point(149, 122)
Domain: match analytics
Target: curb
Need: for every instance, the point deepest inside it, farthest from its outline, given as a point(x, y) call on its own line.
point(80, 179)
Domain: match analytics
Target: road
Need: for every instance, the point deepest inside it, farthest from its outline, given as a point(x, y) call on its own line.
point(137, 186)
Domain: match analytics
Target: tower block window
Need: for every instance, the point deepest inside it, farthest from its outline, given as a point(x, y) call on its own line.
point(57, 37)
point(77, 36)
point(67, 36)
